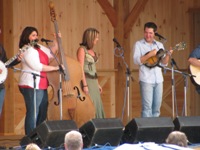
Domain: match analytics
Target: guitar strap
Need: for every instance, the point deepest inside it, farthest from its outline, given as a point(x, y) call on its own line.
point(155, 42)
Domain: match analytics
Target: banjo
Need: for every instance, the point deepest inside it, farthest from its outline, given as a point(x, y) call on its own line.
point(3, 66)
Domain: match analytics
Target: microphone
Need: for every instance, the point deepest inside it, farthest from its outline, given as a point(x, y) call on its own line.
point(36, 40)
point(115, 40)
point(45, 40)
point(160, 36)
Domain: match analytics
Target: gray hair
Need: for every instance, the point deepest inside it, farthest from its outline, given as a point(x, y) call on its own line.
point(177, 138)
point(73, 140)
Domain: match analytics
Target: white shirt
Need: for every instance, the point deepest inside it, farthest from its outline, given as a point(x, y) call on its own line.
point(148, 75)
point(31, 64)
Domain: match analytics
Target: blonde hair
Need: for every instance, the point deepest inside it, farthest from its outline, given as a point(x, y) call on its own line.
point(177, 138)
point(88, 38)
point(32, 146)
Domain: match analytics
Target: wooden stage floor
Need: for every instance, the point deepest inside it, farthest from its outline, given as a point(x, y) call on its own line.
point(10, 141)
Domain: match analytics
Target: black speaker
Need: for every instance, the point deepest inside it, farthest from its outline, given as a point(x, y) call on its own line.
point(190, 126)
point(49, 133)
point(151, 129)
point(102, 131)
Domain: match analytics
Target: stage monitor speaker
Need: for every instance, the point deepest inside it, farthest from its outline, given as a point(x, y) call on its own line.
point(190, 126)
point(101, 132)
point(150, 129)
point(49, 133)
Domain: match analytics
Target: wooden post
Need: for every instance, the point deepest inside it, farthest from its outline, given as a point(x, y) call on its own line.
point(7, 118)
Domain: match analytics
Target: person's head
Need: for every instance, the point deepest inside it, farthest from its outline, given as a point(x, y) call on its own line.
point(73, 140)
point(149, 31)
point(32, 146)
point(177, 138)
point(28, 34)
point(90, 38)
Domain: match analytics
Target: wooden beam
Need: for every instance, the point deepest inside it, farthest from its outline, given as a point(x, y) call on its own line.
point(131, 19)
point(109, 10)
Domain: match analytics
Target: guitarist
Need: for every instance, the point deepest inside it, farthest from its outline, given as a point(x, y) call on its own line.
point(194, 61)
point(150, 79)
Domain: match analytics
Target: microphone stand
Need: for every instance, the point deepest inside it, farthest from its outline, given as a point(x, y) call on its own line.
point(34, 89)
point(173, 87)
point(127, 88)
point(185, 75)
point(61, 71)
point(173, 63)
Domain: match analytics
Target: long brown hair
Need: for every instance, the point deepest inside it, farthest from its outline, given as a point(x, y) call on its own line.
point(88, 38)
point(24, 38)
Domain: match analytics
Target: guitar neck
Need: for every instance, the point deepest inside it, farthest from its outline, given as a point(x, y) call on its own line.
point(22, 50)
point(8, 62)
point(163, 52)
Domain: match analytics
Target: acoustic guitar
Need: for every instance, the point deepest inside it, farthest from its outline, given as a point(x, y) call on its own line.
point(195, 71)
point(155, 60)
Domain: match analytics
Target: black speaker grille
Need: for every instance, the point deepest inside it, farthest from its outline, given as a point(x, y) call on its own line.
point(50, 130)
point(50, 133)
point(152, 129)
point(190, 126)
point(102, 131)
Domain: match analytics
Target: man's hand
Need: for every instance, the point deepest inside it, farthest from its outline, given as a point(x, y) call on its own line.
point(153, 53)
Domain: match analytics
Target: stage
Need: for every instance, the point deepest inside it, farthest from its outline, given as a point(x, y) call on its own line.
point(10, 141)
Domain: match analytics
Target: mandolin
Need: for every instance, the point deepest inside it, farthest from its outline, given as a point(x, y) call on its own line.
point(155, 60)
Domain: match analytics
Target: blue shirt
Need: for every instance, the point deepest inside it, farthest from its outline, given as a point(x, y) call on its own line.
point(195, 53)
point(148, 75)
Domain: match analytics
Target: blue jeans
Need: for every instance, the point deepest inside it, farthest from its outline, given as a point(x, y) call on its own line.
point(41, 107)
point(2, 95)
point(151, 99)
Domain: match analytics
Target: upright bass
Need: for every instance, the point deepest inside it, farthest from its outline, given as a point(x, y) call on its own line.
point(68, 98)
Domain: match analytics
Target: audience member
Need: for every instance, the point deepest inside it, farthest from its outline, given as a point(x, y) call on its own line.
point(32, 146)
point(73, 140)
point(177, 138)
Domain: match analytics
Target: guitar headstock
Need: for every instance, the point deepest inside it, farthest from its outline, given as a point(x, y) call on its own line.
point(52, 11)
point(180, 46)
